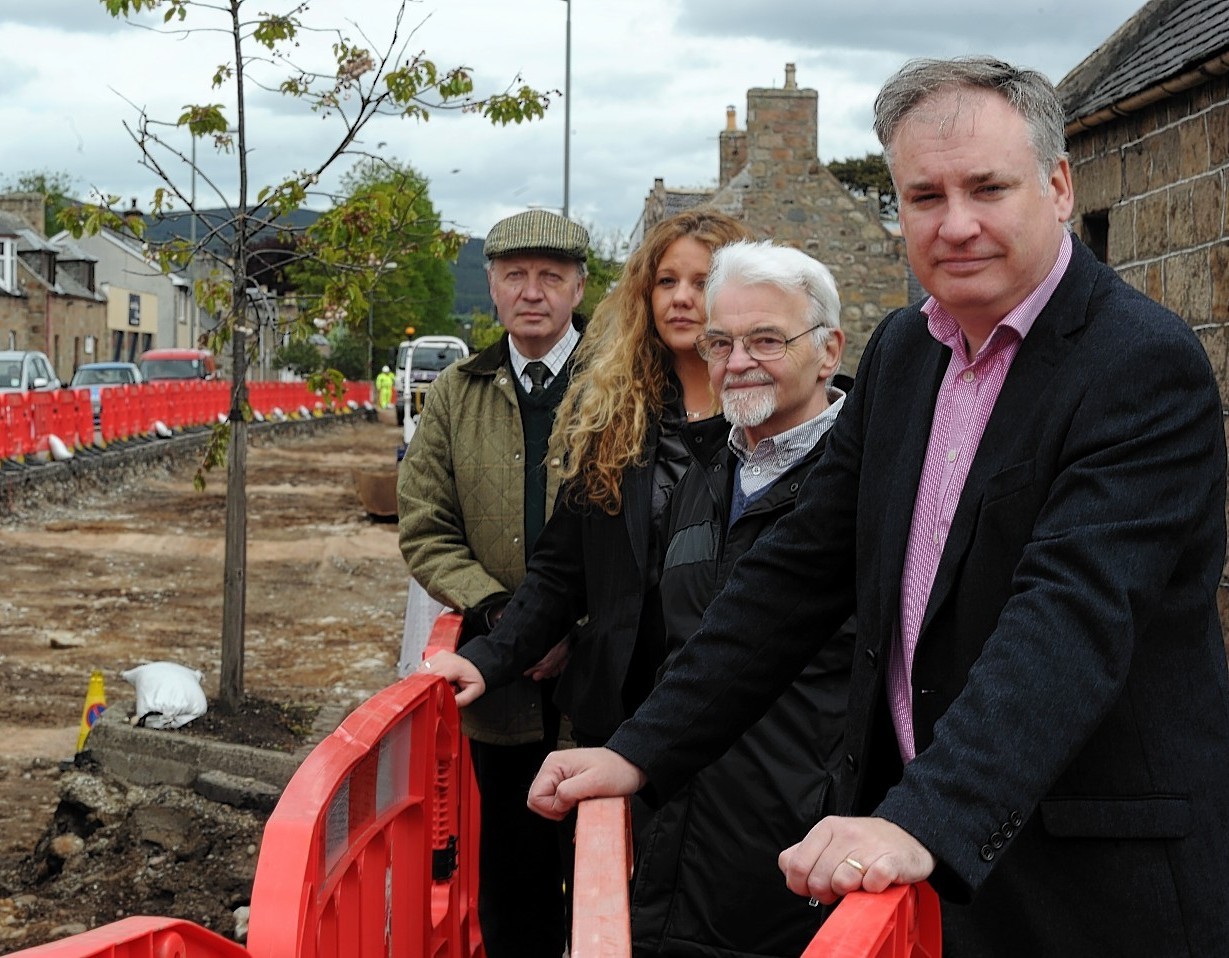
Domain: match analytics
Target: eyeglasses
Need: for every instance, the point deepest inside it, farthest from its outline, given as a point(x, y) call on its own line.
point(760, 346)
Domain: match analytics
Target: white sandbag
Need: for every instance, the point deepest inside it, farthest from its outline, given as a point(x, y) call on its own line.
point(168, 695)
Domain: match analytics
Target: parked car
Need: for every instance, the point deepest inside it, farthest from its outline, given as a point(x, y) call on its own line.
point(99, 376)
point(23, 371)
point(178, 364)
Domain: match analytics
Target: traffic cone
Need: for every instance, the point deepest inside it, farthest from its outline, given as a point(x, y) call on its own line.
point(95, 704)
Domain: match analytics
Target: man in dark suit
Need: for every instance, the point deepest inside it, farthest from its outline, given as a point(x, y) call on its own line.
point(1025, 496)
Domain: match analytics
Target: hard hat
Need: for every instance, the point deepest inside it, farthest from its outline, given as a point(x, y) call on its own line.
point(384, 370)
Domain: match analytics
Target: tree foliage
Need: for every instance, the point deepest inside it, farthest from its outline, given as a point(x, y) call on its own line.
point(356, 83)
point(605, 267)
point(300, 356)
point(859, 174)
point(386, 203)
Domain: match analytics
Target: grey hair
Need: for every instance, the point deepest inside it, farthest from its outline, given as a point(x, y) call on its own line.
point(582, 267)
point(765, 263)
point(1028, 92)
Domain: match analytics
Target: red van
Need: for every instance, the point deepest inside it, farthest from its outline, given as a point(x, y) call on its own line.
point(178, 364)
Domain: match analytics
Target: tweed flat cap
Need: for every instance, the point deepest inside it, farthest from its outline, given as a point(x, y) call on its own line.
point(537, 230)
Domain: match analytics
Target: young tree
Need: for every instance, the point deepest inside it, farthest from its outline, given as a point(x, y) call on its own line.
point(358, 83)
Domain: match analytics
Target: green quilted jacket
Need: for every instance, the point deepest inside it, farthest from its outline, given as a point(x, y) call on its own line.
point(460, 497)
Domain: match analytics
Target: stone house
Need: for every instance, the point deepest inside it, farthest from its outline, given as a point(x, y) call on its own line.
point(1148, 135)
point(49, 300)
point(770, 177)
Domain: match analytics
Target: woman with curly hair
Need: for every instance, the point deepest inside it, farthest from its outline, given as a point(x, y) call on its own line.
point(637, 379)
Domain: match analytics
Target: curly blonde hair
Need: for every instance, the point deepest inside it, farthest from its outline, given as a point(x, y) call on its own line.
point(619, 381)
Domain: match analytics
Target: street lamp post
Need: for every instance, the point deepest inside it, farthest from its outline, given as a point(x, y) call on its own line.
point(567, 109)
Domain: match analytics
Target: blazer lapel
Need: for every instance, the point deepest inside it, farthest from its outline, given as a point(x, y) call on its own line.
point(917, 398)
point(1041, 354)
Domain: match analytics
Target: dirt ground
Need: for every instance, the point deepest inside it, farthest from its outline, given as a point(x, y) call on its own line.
point(135, 575)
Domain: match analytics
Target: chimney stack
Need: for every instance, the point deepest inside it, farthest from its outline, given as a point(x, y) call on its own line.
point(732, 149)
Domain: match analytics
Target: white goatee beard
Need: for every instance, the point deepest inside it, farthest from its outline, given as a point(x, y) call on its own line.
point(748, 407)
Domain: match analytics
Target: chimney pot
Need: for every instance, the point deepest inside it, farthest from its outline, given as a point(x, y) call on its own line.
point(791, 81)
point(730, 122)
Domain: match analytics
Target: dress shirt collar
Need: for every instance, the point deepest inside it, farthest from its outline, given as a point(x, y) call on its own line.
point(554, 359)
point(944, 328)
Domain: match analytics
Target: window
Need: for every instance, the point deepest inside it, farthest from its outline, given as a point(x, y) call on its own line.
point(1096, 229)
point(8, 263)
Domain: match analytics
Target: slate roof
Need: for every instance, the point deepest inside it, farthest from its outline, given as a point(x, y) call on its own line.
point(178, 225)
point(1164, 40)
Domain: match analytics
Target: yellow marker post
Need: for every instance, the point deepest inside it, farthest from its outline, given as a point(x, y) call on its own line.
point(95, 704)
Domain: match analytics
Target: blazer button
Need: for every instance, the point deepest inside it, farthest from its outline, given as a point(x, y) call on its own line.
point(850, 762)
point(873, 657)
point(1008, 829)
point(986, 853)
point(717, 467)
point(997, 840)
point(1015, 819)
point(793, 487)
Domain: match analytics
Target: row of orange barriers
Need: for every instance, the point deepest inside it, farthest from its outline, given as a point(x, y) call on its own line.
point(372, 851)
point(29, 420)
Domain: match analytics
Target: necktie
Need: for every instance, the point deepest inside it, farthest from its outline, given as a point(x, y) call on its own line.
point(537, 371)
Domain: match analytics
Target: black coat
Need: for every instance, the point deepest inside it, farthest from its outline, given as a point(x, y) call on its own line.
point(1072, 776)
point(706, 876)
point(585, 563)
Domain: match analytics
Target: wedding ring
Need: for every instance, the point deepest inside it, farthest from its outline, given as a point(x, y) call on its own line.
point(854, 863)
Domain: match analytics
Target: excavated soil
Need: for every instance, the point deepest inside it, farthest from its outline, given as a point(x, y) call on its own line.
point(134, 574)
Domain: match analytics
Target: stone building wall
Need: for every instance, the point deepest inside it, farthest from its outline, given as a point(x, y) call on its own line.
point(64, 326)
point(1150, 193)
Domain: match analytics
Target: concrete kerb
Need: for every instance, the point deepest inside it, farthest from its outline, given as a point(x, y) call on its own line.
point(238, 775)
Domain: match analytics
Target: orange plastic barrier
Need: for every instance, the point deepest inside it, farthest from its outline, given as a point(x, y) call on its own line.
point(140, 938)
point(360, 856)
point(601, 927)
point(902, 922)
point(129, 412)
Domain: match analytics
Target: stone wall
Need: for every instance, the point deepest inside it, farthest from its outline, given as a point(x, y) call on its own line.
point(1151, 187)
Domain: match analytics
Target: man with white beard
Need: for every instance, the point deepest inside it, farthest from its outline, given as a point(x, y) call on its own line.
point(706, 877)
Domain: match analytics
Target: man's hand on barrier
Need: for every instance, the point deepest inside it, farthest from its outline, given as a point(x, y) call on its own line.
point(574, 774)
point(840, 855)
point(459, 672)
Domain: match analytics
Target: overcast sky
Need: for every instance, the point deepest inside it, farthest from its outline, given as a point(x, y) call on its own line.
point(650, 82)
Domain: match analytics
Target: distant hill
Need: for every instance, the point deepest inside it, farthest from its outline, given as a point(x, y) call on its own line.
point(469, 272)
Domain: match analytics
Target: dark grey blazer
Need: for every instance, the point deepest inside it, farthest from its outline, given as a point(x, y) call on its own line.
point(1070, 695)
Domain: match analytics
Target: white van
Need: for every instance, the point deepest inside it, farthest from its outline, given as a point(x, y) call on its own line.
point(419, 361)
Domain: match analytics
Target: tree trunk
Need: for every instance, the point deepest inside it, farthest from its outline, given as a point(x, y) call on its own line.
point(234, 576)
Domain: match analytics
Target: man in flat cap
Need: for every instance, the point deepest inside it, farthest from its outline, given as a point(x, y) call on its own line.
point(473, 494)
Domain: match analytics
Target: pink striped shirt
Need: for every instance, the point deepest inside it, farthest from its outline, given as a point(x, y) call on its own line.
point(962, 408)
